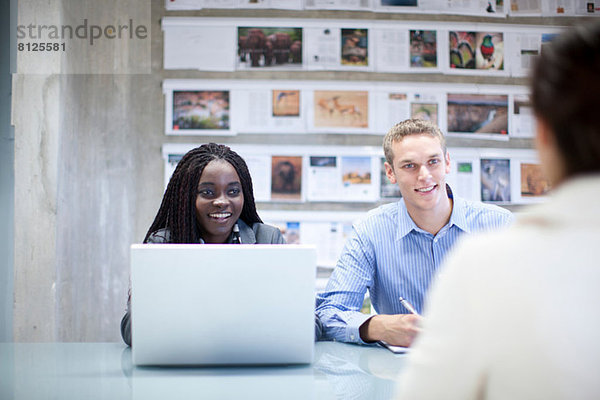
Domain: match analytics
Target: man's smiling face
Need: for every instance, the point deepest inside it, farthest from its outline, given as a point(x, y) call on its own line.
point(419, 169)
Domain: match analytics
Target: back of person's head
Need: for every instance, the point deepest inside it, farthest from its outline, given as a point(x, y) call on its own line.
point(565, 86)
point(177, 211)
point(410, 127)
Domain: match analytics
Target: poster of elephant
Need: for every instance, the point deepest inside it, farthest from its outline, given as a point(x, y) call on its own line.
point(263, 47)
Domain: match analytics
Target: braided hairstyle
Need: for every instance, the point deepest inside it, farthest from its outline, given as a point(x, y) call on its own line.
point(177, 212)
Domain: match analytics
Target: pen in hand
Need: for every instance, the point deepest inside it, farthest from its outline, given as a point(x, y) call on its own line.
point(408, 306)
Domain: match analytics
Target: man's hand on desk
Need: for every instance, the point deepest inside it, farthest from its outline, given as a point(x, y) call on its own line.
point(397, 330)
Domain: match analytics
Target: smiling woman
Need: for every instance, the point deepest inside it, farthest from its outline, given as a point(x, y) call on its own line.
point(209, 199)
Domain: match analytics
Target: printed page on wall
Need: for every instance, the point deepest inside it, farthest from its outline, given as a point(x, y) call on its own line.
point(495, 180)
point(356, 49)
point(406, 6)
point(275, 4)
point(475, 52)
point(356, 5)
point(532, 185)
point(478, 116)
point(463, 178)
point(269, 48)
point(522, 118)
point(219, 3)
point(323, 47)
point(192, 46)
point(360, 178)
point(340, 111)
point(324, 178)
point(259, 166)
point(286, 178)
point(526, 47)
point(525, 8)
point(483, 8)
point(198, 112)
point(395, 105)
point(266, 110)
point(184, 4)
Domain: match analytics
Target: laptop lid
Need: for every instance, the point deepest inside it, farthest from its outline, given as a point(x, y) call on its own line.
point(222, 304)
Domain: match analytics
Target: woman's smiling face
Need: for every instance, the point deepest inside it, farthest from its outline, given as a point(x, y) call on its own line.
point(219, 201)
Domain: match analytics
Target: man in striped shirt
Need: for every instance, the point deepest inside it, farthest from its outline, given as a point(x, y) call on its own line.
point(397, 248)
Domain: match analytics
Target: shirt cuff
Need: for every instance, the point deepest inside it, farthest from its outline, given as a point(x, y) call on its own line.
point(353, 325)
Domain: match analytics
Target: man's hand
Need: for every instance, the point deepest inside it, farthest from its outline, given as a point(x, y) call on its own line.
point(397, 330)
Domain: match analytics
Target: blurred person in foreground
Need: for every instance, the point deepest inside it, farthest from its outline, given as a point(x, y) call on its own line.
point(525, 323)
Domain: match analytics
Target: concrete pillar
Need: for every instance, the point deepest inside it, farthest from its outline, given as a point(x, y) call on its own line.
point(79, 139)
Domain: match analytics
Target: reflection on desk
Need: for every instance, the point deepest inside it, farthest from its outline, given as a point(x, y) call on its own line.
point(104, 371)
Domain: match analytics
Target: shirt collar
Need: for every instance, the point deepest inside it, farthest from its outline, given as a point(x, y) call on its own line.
point(246, 234)
point(405, 222)
point(458, 216)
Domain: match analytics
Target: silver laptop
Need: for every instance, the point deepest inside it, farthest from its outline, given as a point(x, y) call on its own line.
point(222, 304)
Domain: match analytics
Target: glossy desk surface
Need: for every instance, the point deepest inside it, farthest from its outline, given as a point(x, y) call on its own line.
point(104, 371)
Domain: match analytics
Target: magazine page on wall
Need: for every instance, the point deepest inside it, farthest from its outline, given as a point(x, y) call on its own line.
point(191, 45)
point(404, 101)
point(197, 108)
point(275, 4)
point(335, 110)
point(271, 108)
point(351, 5)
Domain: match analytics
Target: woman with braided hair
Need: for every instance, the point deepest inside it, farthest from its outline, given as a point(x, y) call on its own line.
point(209, 199)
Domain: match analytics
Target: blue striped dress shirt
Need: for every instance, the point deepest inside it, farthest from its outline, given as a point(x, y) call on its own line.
point(390, 256)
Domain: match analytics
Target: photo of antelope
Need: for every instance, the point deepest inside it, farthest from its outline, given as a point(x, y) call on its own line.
point(341, 109)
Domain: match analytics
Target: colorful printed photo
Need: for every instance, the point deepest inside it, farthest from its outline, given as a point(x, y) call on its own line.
point(200, 109)
point(424, 111)
point(267, 47)
point(495, 180)
point(489, 50)
point(462, 49)
point(286, 103)
point(477, 113)
point(341, 109)
point(423, 49)
point(355, 47)
point(476, 50)
point(286, 177)
point(356, 171)
point(323, 161)
point(533, 181)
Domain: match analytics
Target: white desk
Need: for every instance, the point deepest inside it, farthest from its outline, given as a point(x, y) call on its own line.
point(87, 371)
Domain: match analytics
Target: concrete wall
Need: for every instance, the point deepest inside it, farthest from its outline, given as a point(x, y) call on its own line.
point(83, 142)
